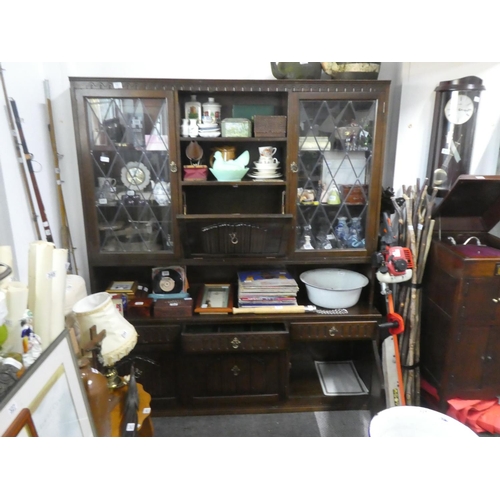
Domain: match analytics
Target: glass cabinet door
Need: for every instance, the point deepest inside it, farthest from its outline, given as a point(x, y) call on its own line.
point(333, 177)
point(129, 150)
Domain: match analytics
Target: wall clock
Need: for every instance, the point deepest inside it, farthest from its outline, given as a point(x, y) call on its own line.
point(453, 128)
point(135, 175)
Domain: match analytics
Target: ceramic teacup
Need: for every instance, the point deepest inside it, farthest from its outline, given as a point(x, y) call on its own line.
point(267, 151)
point(268, 160)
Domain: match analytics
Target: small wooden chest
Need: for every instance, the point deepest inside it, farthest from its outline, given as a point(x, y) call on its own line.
point(168, 308)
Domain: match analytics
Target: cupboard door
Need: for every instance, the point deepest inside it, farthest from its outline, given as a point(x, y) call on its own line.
point(126, 170)
point(227, 376)
point(467, 358)
point(338, 167)
point(481, 301)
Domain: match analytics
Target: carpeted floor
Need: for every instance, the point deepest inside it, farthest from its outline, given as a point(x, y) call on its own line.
point(304, 424)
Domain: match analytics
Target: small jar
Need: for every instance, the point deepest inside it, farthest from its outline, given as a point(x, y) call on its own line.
point(192, 109)
point(211, 111)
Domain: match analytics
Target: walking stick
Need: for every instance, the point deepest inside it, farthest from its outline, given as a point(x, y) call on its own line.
point(66, 240)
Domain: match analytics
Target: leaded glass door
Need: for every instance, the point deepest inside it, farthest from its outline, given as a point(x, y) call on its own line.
point(130, 154)
point(334, 169)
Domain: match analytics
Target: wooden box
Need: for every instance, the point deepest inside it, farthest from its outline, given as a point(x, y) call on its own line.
point(269, 126)
point(139, 307)
point(168, 308)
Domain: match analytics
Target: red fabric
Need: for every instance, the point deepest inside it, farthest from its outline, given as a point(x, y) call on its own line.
point(480, 416)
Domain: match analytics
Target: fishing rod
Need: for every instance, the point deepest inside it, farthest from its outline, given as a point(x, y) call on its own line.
point(65, 232)
point(28, 155)
point(20, 154)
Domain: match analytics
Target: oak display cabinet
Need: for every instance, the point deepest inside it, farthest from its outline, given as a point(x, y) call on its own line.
point(322, 212)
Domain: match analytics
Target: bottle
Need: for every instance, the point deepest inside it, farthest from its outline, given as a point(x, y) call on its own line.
point(185, 127)
point(96, 387)
point(193, 128)
point(211, 111)
point(192, 109)
point(333, 197)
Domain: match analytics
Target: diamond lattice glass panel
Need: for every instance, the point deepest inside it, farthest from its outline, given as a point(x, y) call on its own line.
point(335, 154)
point(130, 155)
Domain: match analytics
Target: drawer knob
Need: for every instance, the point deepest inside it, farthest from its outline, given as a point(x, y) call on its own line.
point(235, 343)
point(173, 166)
point(293, 167)
point(495, 300)
point(333, 331)
point(235, 370)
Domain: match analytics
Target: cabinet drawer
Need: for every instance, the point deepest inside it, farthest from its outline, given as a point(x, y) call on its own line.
point(235, 338)
point(347, 330)
point(158, 334)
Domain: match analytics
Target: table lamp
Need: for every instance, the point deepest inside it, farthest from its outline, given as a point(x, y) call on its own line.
point(97, 310)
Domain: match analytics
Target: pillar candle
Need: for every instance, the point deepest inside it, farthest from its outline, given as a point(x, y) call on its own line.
point(6, 258)
point(40, 278)
point(59, 261)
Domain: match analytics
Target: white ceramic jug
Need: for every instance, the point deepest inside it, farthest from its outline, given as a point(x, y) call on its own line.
point(161, 192)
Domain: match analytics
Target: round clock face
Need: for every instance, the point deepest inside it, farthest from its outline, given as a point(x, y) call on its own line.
point(135, 176)
point(459, 109)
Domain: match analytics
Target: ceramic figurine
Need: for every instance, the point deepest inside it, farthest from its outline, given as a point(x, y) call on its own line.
point(32, 344)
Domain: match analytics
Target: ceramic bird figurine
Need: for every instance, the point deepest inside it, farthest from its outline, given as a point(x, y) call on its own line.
point(240, 162)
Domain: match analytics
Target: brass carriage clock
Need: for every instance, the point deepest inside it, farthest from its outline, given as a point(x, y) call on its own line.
point(453, 127)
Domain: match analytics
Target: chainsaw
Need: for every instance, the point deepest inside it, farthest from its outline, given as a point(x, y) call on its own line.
point(394, 265)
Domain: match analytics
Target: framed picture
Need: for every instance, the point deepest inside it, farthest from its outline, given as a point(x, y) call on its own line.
point(51, 389)
point(215, 299)
point(126, 287)
point(22, 426)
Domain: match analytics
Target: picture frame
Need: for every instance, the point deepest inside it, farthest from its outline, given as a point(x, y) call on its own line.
point(52, 390)
point(22, 426)
point(119, 287)
point(215, 299)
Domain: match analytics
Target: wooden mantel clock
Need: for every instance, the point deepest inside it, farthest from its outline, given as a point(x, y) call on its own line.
point(453, 127)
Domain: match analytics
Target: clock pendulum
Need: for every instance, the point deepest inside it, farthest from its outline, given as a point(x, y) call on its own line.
point(453, 128)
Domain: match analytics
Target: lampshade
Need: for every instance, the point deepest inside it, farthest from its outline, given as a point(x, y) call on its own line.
point(98, 310)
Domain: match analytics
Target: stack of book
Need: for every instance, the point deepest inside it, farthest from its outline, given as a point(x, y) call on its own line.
point(266, 288)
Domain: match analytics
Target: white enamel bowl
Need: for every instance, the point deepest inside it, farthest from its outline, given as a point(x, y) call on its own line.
point(414, 421)
point(333, 288)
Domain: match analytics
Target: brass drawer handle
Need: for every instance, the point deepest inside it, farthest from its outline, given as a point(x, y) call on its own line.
point(235, 343)
point(333, 331)
point(234, 238)
point(235, 370)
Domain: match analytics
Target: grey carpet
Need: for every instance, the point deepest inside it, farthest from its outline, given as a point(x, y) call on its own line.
point(304, 424)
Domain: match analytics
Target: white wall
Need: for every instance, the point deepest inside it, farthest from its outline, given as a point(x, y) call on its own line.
point(406, 155)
